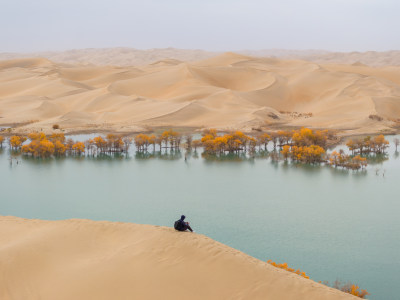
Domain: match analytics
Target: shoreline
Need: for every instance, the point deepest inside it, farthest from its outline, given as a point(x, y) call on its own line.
point(18, 129)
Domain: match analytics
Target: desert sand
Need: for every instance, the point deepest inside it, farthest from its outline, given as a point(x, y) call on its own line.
point(82, 259)
point(124, 56)
point(228, 91)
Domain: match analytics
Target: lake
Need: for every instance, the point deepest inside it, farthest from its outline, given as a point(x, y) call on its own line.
point(331, 223)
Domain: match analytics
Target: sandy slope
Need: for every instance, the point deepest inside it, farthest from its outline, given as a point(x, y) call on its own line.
point(81, 259)
point(229, 91)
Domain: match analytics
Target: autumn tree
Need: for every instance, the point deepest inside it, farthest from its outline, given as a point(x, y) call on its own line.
point(380, 143)
point(252, 144)
point(2, 140)
point(171, 139)
point(340, 159)
point(284, 137)
point(89, 145)
point(16, 141)
point(78, 148)
point(127, 143)
point(274, 139)
point(46, 148)
point(263, 139)
point(110, 140)
point(40, 146)
point(285, 152)
point(57, 137)
point(308, 137)
point(196, 144)
point(142, 142)
point(351, 145)
point(59, 148)
point(153, 141)
point(69, 144)
point(306, 154)
point(212, 132)
point(100, 143)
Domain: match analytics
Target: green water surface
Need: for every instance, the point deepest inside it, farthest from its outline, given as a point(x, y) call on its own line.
point(331, 223)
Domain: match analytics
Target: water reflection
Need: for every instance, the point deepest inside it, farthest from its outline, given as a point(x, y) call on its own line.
point(396, 155)
point(376, 159)
point(231, 157)
point(165, 155)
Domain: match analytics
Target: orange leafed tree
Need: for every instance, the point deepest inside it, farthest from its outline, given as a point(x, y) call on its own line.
point(59, 148)
point(263, 139)
point(46, 148)
point(308, 137)
point(142, 142)
point(378, 145)
point(1, 141)
point(39, 146)
point(16, 141)
point(100, 143)
point(285, 152)
point(57, 137)
point(78, 148)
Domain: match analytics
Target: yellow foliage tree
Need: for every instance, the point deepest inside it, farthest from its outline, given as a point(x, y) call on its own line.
point(263, 139)
point(307, 137)
point(285, 152)
point(142, 141)
point(39, 146)
point(59, 148)
point(171, 138)
point(78, 148)
point(100, 143)
point(46, 148)
point(196, 144)
point(57, 137)
point(16, 141)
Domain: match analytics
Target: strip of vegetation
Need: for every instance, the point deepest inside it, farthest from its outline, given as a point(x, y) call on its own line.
point(344, 287)
point(300, 146)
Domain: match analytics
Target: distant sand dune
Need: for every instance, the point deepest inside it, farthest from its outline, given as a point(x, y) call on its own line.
point(82, 259)
point(228, 91)
point(172, 56)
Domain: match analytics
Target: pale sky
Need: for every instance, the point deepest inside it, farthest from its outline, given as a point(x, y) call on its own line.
point(220, 25)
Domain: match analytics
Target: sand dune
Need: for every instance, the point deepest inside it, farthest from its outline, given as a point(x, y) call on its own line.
point(229, 91)
point(168, 56)
point(116, 56)
point(82, 259)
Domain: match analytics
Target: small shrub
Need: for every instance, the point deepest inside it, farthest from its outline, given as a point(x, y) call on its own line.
point(284, 266)
point(56, 126)
point(375, 117)
point(350, 288)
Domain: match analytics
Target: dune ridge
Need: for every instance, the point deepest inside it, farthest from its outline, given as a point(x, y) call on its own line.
point(83, 259)
point(229, 91)
point(125, 56)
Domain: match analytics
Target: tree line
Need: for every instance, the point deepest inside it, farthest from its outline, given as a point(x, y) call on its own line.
point(303, 145)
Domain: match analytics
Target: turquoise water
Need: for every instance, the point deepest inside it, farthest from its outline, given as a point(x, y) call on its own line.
point(331, 223)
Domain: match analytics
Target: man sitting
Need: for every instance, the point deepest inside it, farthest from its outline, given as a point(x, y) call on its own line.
point(181, 225)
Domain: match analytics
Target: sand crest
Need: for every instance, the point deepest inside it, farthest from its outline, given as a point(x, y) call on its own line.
point(82, 259)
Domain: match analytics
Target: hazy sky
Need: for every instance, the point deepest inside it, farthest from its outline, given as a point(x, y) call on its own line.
point(341, 25)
